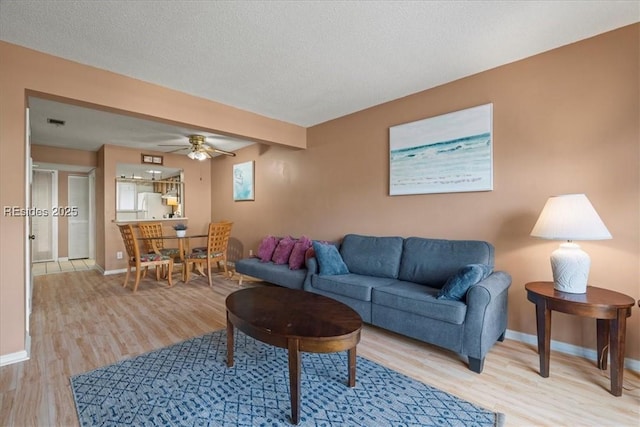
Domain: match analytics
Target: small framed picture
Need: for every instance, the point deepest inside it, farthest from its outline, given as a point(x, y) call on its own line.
point(154, 160)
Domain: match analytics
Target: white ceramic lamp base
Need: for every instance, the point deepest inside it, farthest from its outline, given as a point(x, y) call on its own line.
point(570, 266)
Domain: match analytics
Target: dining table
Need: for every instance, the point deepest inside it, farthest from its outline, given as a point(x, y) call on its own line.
point(184, 242)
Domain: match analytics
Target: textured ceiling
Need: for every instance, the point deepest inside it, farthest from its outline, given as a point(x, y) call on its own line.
point(304, 62)
point(300, 62)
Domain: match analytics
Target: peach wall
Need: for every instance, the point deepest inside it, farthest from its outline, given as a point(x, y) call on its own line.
point(64, 156)
point(24, 72)
point(564, 121)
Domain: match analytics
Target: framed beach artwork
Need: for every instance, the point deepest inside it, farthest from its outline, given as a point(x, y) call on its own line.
point(443, 154)
point(243, 181)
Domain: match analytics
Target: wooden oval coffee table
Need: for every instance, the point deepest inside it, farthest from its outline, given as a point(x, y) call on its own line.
point(298, 321)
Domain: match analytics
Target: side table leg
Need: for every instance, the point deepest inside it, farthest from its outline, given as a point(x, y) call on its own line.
point(229, 342)
point(294, 379)
point(617, 341)
point(543, 324)
point(602, 328)
point(352, 367)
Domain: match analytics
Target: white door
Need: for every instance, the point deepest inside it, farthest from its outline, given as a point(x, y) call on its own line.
point(44, 197)
point(77, 213)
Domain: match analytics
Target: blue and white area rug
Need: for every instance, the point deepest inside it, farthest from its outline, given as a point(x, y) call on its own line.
point(189, 384)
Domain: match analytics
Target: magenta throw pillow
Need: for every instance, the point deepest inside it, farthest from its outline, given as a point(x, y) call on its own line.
point(267, 248)
point(296, 259)
point(283, 250)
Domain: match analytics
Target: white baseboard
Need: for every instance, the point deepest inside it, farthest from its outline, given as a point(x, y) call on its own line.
point(63, 259)
point(20, 356)
point(571, 349)
point(120, 270)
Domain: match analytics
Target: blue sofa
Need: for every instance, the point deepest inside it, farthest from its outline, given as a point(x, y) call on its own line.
point(278, 274)
point(393, 283)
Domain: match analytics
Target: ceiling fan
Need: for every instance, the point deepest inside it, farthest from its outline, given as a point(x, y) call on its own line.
point(199, 150)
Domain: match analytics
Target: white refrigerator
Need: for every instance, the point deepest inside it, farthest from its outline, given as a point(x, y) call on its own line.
point(150, 206)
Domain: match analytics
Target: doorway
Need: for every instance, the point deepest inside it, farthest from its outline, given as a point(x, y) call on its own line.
point(44, 195)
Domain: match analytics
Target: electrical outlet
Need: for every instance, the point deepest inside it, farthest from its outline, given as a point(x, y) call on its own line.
point(119, 255)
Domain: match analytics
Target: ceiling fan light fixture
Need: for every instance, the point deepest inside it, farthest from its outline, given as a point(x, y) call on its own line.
point(197, 155)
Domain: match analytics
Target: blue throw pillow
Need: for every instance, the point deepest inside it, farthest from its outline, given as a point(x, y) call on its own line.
point(329, 260)
point(457, 285)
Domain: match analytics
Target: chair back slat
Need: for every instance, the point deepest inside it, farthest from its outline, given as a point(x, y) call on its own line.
point(152, 231)
point(218, 238)
point(129, 239)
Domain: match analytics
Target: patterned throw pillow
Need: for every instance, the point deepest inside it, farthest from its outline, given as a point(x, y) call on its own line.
point(457, 285)
point(267, 247)
point(283, 250)
point(297, 257)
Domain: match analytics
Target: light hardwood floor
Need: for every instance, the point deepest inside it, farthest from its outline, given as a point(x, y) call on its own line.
point(83, 320)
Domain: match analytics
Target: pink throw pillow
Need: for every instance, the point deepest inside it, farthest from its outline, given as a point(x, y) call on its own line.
point(296, 260)
point(267, 247)
point(283, 250)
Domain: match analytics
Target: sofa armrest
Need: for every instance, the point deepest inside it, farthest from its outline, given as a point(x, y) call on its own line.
point(312, 268)
point(486, 318)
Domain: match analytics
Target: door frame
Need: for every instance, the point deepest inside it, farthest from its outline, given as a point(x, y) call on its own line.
point(27, 228)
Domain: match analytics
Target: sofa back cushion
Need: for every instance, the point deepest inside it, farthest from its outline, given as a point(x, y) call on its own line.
point(432, 261)
point(372, 256)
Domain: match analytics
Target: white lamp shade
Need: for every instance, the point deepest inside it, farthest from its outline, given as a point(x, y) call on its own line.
point(570, 217)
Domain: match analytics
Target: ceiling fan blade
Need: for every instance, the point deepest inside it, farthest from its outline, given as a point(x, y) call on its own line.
point(178, 149)
point(219, 151)
point(226, 153)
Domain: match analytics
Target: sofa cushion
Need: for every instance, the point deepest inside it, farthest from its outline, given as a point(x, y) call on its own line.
point(297, 257)
point(267, 247)
point(353, 286)
point(432, 261)
point(420, 300)
point(372, 256)
point(279, 274)
point(329, 260)
point(283, 251)
point(457, 285)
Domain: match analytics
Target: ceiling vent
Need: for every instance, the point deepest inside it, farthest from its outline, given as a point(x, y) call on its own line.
point(56, 122)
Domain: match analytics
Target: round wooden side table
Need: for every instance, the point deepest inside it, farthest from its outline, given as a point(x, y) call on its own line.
point(611, 310)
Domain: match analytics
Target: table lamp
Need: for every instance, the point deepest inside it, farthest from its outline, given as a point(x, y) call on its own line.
point(570, 217)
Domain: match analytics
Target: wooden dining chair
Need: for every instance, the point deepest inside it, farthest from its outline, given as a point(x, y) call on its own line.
point(153, 242)
point(141, 260)
point(216, 251)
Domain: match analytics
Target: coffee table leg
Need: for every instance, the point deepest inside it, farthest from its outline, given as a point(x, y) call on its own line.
point(294, 379)
point(352, 367)
point(229, 342)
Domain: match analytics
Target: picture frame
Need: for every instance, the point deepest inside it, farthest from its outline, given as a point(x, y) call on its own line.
point(243, 181)
point(152, 159)
point(448, 153)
